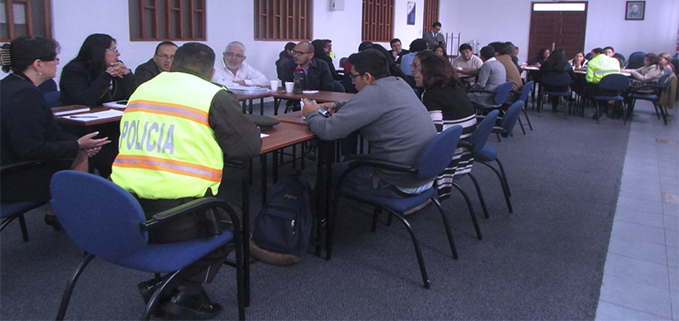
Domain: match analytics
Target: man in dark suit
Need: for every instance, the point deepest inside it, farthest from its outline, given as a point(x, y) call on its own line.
point(434, 37)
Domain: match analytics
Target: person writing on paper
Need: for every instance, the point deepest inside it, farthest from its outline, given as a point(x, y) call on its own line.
point(29, 131)
point(232, 69)
point(199, 126)
point(161, 61)
point(386, 113)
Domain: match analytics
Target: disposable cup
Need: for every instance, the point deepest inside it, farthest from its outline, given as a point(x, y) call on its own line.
point(274, 85)
point(289, 86)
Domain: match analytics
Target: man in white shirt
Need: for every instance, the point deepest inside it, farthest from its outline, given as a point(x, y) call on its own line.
point(232, 69)
point(467, 64)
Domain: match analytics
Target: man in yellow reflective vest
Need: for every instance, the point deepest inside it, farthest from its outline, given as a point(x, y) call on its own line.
point(600, 66)
point(176, 133)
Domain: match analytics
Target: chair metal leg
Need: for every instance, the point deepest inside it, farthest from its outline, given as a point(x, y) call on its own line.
point(418, 252)
point(471, 210)
point(502, 184)
point(446, 224)
point(525, 114)
point(66, 298)
point(376, 213)
point(171, 283)
point(24, 230)
point(478, 192)
point(521, 124)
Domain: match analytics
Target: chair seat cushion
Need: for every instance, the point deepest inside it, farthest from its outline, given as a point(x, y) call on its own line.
point(12, 208)
point(618, 98)
point(397, 204)
point(167, 258)
point(644, 96)
point(487, 154)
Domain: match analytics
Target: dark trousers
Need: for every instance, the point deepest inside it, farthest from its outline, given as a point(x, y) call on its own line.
point(187, 228)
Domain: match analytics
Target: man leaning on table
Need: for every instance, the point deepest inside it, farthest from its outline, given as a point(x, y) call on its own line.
point(161, 61)
point(179, 118)
point(233, 70)
point(388, 114)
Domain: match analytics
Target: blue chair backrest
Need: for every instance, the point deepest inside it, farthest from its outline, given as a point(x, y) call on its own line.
point(100, 217)
point(436, 155)
point(525, 90)
point(483, 130)
point(53, 99)
point(636, 60)
point(555, 79)
point(617, 82)
point(503, 92)
point(668, 82)
point(510, 117)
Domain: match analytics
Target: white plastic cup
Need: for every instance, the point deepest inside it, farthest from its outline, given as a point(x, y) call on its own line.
point(289, 86)
point(274, 85)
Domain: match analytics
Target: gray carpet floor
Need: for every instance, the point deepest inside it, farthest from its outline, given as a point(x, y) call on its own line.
point(544, 261)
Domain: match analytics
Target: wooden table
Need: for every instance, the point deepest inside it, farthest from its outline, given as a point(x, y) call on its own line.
point(84, 121)
point(246, 100)
point(320, 96)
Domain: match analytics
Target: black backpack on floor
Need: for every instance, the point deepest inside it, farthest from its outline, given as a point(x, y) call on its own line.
point(282, 229)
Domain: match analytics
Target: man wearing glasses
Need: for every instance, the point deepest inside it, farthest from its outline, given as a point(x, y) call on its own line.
point(232, 70)
point(388, 114)
point(161, 61)
point(318, 76)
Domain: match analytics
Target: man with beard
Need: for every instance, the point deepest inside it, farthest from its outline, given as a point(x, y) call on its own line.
point(233, 70)
point(316, 71)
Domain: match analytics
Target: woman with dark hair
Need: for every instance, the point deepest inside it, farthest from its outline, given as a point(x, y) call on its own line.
point(441, 51)
point(651, 71)
point(578, 61)
point(29, 131)
point(448, 106)
point(543, 54)
point(94, 77)
point(556, 67)
point(321, 54)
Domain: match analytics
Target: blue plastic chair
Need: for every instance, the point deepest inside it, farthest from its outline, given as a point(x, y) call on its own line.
point(433, 159)
point(9, 211)
point(484, 153)
point(554, 79)
point(500, 97)
point(508, 120)
point(636, 60)
point(663, 85)
point(106, 221)
point(616, 84)
point(525, 91)
point(476, 142)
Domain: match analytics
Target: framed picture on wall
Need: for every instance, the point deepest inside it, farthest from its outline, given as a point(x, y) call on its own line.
point(411, 12)
point(635, 10)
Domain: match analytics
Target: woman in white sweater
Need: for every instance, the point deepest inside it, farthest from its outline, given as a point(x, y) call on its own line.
point(651, 71)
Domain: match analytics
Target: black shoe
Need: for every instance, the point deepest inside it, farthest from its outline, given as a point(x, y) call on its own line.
point(191, 306)
point(52, 221)
point(147, 288)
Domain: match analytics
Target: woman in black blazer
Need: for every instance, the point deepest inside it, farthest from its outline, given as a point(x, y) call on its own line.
point(29, 131)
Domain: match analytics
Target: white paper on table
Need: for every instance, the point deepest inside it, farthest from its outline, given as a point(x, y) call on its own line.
point(111, 113)
point(262, 135)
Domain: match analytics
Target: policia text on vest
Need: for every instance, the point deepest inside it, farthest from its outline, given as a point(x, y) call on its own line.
point(148, 136)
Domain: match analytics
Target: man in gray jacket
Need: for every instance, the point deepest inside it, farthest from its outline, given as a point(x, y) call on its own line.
point(388, 114)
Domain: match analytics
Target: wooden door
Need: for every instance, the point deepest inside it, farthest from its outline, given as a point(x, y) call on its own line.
point(557, 29)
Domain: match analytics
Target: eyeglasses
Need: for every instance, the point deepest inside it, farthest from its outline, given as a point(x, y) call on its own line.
point(415, 65)
point(231, 54)
point(165, 57)
point(299, 53)
point(50, 59)
point(112, 50)
point(353, 76)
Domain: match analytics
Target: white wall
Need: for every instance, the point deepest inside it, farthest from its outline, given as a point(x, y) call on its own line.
point(483, 20)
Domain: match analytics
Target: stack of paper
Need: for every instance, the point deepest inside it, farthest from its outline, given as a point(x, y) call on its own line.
point(106, 114)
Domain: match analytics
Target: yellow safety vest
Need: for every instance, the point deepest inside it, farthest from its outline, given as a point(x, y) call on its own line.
point(167, 149)
point(601, 66)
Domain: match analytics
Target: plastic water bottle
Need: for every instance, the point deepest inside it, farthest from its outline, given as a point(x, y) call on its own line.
point(300, 80)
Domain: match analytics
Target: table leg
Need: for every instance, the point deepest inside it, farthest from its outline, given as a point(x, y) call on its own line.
point(246, 229)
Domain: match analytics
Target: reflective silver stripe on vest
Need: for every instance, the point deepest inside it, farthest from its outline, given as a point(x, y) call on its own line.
point(181, 111)
point(606, 71)
point(146, 163)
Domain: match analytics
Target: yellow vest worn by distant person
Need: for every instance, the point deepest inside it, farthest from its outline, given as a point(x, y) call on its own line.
point(167, 149)
point(601, 66)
